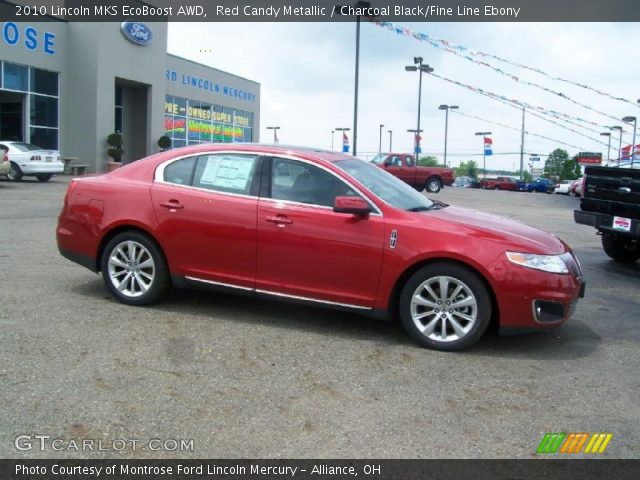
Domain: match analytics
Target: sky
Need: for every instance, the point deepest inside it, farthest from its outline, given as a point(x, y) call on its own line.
point(306, 72)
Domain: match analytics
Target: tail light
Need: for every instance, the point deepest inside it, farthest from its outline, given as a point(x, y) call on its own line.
point(6, 157)
point(35, 158)
point(584, 182)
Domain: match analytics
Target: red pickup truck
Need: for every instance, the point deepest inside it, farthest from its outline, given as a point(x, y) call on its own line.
point(403, 166)
point(500, 183)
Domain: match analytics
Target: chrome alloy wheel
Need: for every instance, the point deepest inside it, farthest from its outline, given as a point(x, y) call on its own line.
point(443, 309)
point(131, 268)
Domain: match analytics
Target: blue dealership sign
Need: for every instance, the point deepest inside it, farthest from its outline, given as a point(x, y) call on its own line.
point(137, 32)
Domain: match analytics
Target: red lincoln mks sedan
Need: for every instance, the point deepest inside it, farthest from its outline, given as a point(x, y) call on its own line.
point(319, 227)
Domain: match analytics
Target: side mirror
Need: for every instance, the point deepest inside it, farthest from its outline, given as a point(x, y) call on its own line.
point(352, 205)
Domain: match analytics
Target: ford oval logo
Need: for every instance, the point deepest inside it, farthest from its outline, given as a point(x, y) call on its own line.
point(137, 32)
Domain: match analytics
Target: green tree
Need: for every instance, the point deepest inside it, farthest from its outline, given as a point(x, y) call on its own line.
point(428, 161)
point(467, 169)
point(555, 164)
point(572, 169)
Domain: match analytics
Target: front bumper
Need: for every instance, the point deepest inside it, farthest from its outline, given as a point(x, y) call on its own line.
point(531, 299)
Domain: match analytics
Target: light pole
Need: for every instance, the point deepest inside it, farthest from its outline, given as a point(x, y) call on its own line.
point(380, 142)
point(633, 142)
point(484, 157)
point(343, 130)
point(420, 67)
point(390, 140)
point(358, 5)
point(620, 130)
point(332, 132)
point(607, 134)
point(446, 109)
point(275, 137)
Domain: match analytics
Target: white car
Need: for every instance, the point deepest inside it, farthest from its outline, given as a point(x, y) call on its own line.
point(4, 162)
point(563, 187)
point(29, 160)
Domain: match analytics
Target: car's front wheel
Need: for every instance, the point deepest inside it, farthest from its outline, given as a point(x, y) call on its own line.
point(14, 174)
point(621, 249)
point(134, 269)
point(445, 306)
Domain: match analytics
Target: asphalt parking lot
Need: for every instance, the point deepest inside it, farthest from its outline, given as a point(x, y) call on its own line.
point(248, 378)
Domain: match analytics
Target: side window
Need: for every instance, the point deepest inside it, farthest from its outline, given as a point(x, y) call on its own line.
point(396, 162)
point(300, 182)
point(230, 173)
point(180, 171)
point(409, 160)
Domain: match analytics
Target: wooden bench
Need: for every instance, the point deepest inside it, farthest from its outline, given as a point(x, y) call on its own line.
point(78, 169)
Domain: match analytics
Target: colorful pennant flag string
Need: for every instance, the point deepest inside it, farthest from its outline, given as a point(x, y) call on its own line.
point(513, 102)
point(458, 112)
point(467, 54)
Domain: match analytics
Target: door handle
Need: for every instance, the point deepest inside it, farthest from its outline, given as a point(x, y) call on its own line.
point(279, 220)
point(172, 205)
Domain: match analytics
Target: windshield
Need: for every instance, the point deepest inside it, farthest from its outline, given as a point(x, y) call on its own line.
point(384, 185)
point(25, 147)
point(378, 159)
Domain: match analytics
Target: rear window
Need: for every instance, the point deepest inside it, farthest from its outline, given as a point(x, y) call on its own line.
point(25, 147)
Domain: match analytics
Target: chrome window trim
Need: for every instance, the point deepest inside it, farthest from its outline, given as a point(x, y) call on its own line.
point(277, 294)
point(159, 178)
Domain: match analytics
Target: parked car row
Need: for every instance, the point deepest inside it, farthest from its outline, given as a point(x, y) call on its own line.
point(540, 185)
point(23, 159)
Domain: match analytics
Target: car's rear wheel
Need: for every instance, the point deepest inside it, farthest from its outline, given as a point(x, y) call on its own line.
point(433, 185)
point(14, 174)
point(621, 249)
point(134, 269)
point(445, 306)
point(44, 177)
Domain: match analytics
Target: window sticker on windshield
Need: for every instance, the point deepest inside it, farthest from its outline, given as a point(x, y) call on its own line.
point(227, 172)
point(621, 223)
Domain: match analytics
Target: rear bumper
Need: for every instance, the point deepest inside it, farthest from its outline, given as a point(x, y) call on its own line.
point(35, 168)
point(78, 258)
point(4, 168)
point(604, 222)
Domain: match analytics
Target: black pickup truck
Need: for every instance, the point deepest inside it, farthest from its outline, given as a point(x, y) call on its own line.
point(611, 203)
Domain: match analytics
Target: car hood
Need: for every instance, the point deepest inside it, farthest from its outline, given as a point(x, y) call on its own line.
point(513, 234)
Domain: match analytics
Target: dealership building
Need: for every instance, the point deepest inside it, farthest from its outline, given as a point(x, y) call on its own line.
point(69, 85)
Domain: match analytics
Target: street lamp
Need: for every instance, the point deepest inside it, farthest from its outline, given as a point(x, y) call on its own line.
point(620, 130)
point(275, 137)
point(484, 157)
point(390, 140)
point(332, 132)
point(607, 134)
point(446, 109)
point(420, 67)
point(342, 129)
point(380, 142)
point(630, 119)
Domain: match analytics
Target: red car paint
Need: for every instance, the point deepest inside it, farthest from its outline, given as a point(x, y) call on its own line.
point(500, 183)
point(263, 245)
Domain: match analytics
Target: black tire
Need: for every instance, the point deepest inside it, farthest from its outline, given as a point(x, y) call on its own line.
point(621, 249)
point(433, 185)
point(14, 174)
point(419, 188)
point(497, 187)
point(158, 285)
point(44, 177)
point(473, 287)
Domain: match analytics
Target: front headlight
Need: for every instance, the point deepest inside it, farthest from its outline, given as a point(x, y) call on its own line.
point(546, 263)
